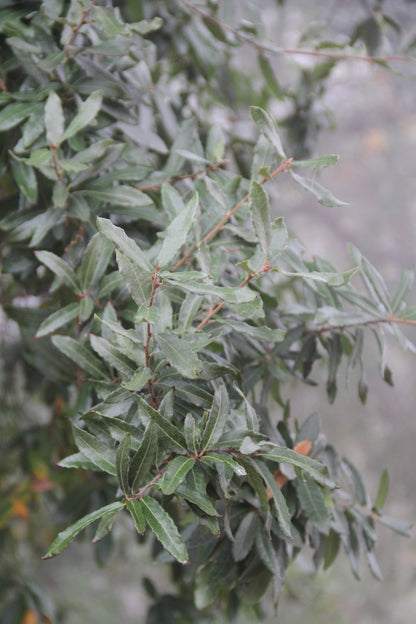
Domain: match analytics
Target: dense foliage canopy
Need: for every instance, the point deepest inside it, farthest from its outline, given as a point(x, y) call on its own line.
point(164, 309)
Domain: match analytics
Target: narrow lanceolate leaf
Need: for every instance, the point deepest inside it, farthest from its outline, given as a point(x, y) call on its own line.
point(60, 268)
point(164, 529)
point(332, 544)
point(81, 355)
point(383, 489)
point(314, 468)
point(125, 244)
point(112, 355)
point(216, 420)
point(179, 354)
point(139, 380)
point(136, 509)
point(260, 216)
point(332, 279)
point(77, 460)
point(172, 201)
point(270, 78)
point(86, 114)
point(193, 489)
point(177, 232)
point(210, 458)
point(104, 526)
point(189, 429)
point(244, 538)
point(260, 333)
point(65, 537)
point(123, 463)
point(226, 293)
point(400, 527)
point(356, 481)
point(282, 511)
point(13, 114)
point(324, 197)
point(58, 319)
point(317, 163)
point(313, 504)
point(166, 427)
point(265, 550)
point(121, 195)
point(142, 461)
point(268, 127)
point(54, 119)
point(176, 473)
point(96, 451)
point(137, 280)
point(401, 291)
point(95, 261)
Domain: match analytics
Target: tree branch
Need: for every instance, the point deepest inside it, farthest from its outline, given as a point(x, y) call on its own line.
point(189, 176)
point(285, 51)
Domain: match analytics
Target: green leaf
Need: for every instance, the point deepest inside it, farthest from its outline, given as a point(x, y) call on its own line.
point(314, 468)
point(324, 197)
point(123, 243)
point(86, 114)
point(166, 427)
point(172, 201)
point(77, 460)
point(332, 544)
point(270, 78)
point(260, 215)
point(25, 178)
point(121, 196)
point(136, 509)
point(81, 355)
point(221, 458)
point(279, 238)
point(104, 526)
point(57, 319)
point(137, 280)
point(401, 291)
point(177, 232)
point(176, 473)
point(226, 293)
point(356, 481)
point(60, 268)
point(96, 451)
point(179, 354)
point(265, 550)
point(214, 426)
point(282, 511)
point(313, 504)
point(383, 489)
point(332, 279)
point(95, 261)
point(268, 127)
point(165, 529)
point(138, 381)
point(260, 333)
point(398, 526)
point(13, 114)
point(317, 163)
point(143, 459)
point(65, 537)
point(122, 463)
point(54, 119)
point(112, 355)
point(190, 433)
point(244, 538)
point(193, 489)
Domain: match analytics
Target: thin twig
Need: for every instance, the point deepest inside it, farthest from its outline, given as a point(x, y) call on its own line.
point(271, 49)
point(265, 268)
point(390, 320)
point(55, 166)
point(3, 86)
point(284, 166)
point(77, 28)
point(189, 176)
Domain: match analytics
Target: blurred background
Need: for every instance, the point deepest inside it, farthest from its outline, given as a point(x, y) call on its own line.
point(367, 115)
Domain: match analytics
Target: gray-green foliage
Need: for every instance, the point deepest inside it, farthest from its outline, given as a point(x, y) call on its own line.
point(172, 307)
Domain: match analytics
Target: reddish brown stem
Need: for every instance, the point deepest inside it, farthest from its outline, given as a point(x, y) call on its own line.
point(189, 176)
point(77, 28)
point(55, 165)
point(268, 49)
point(3, 86)
point(284, 166)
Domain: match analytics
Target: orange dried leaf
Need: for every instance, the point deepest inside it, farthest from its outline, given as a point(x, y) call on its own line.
point(30, 617)
point(20, 509)
point(303, 448)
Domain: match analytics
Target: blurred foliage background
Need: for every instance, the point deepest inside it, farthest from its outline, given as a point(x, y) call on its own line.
point(366, 114)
